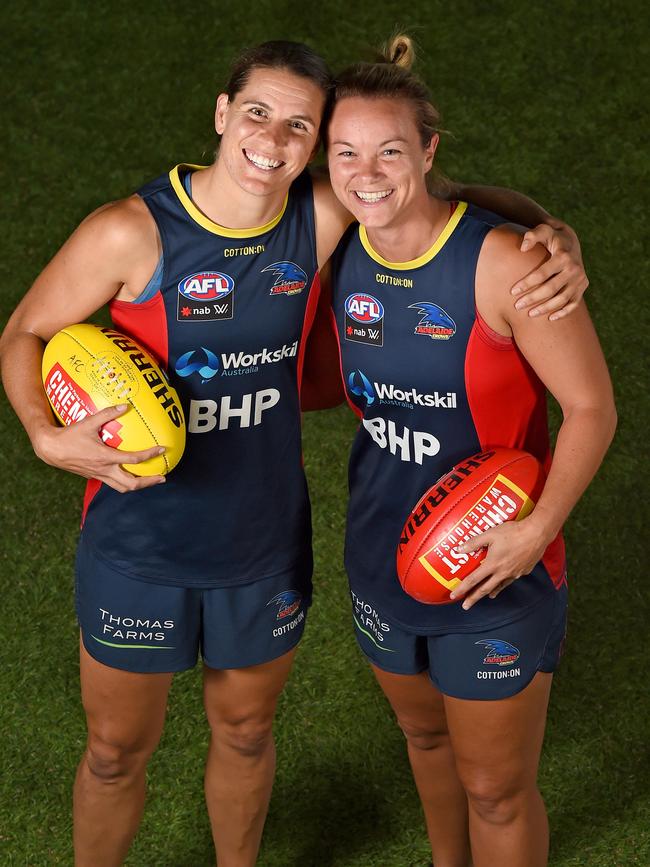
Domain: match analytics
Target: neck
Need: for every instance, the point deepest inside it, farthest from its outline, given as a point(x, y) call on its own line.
point(224, 202)
point(414, 233)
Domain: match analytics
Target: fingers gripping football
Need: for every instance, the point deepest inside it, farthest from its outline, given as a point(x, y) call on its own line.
point(513, 550)
point(79, 449)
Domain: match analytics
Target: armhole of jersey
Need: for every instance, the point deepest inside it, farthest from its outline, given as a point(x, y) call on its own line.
point(307, 322)
point(157, 279)
point(305, 186)
point(355, 409)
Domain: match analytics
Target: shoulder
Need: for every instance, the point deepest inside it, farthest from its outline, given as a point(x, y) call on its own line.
point(122, 227)
point(501, 264)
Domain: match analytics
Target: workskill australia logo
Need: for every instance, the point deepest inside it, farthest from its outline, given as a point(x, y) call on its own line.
point(435, 323)
point(364, 319)
point(360, 385)
point(289, 278)
point(200, 361)
point(205, 296)
point(498, 652)
point(288, 603)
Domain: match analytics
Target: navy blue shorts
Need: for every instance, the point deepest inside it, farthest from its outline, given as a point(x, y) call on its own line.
point(489, 664)
point(151, 628)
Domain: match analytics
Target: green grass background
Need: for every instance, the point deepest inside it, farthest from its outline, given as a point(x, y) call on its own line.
point(543, 97)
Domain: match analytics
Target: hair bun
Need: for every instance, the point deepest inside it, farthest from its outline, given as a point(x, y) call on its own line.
point(400, 51)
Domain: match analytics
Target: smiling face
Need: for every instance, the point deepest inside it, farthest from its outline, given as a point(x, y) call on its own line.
point(270, 130)
point(377, 161)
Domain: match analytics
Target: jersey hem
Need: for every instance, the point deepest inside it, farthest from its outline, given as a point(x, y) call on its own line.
point(304, 562)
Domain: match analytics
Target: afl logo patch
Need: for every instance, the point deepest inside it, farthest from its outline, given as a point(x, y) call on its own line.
point(205, 296)
point(364, 319)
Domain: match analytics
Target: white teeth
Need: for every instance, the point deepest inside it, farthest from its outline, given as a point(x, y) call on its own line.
point(373, 197)
point(262, 162)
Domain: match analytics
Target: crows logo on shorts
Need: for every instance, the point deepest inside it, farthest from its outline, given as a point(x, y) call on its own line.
point(288, 603)
point(499, 652)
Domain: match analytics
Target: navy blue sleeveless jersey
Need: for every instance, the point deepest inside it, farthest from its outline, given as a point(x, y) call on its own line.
point(229, 323)
point(432, 384)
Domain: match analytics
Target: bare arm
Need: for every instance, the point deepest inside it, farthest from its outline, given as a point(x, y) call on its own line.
point(106, 257)
point(568, 359)
point(332, 219)
point(557, 286)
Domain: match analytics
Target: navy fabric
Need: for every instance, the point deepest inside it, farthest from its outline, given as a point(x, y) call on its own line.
point(487, 664)
point(404, 334)
point(236, 509)
point(140, 627)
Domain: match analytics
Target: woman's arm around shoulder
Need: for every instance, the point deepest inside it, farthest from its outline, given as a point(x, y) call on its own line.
point(112, 254)
point(567, 357)
point(332, 218)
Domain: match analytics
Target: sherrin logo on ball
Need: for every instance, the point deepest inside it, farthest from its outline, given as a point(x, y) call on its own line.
point(87, 368)
point(479, 493)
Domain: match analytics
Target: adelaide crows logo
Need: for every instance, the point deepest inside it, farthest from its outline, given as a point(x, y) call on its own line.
point(206, 368)
point(499, 652)
point(359, 384)
point(289, 278)
point(435, 322)
point(288, 603)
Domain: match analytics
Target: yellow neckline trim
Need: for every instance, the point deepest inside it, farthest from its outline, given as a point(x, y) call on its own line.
point(204, 221)
point(440, 242)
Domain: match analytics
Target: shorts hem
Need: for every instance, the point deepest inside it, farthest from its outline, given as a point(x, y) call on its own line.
point(134, 669)
point(259, 662)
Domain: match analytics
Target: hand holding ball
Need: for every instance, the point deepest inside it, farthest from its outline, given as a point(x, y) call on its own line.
point(480, 492)
point(87, 368)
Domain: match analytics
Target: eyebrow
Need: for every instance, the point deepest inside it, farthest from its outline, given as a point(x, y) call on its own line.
point(388, 141)
point(268, 108)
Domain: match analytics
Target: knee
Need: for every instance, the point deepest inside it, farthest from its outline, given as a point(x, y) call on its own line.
point(423, 737)
point(248, 737)
point(113, 760)
point(498, 802)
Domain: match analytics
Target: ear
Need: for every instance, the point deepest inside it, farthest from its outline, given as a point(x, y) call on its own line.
point(430, 150)
point(221, 112)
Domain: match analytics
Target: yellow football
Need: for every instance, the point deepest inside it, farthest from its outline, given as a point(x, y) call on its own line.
point(87, 368)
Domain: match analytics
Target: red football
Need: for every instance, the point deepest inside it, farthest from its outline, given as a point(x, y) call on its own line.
point(478, 493)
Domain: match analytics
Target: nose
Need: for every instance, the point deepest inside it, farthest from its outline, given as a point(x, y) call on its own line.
point(275, 134)
point(368, 168)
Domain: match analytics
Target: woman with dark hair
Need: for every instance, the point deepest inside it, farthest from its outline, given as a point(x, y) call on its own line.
point(468, 681)
point(215, 270)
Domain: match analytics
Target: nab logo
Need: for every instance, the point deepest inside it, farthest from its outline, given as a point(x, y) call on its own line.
point(498, 652)
point(364, 308)
point(435, 322)
point(364, 319)
point(359, 384)
point(205, 297)
point(191, 362)
point(206, 286)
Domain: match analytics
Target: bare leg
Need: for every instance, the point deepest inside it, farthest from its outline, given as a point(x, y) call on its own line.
point(420, 712)
point(497, 745)
point(125, 714)
point(240, 705)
